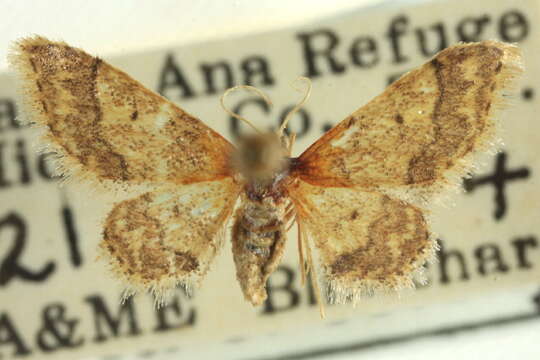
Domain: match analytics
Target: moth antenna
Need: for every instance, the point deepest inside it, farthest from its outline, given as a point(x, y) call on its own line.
point(240, 117)
point(299, 105)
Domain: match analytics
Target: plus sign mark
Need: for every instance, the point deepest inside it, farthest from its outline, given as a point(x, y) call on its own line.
point(498, 179)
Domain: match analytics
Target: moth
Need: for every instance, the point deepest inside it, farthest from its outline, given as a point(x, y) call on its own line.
point(359, 195)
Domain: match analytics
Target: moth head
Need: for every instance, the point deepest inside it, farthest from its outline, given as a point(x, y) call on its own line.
point(261, 156)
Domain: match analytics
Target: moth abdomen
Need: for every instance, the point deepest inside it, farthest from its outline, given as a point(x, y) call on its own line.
point(258, 240)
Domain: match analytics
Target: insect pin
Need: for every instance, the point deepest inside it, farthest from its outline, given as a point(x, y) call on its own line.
point(358, 195)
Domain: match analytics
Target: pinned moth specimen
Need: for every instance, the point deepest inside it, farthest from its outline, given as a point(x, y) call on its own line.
point(358, 195)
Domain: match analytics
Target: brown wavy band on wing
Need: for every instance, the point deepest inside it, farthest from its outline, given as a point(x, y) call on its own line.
point(107, 126)
point(365, 240)
point(170, 235)
point(422, 128)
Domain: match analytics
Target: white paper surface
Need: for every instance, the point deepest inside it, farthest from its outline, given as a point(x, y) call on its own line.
point(492, 312)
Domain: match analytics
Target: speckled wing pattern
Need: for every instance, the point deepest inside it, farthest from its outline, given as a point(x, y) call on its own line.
point(406, 145)
point(366, 240)
point(169, 236)
point(107, 127)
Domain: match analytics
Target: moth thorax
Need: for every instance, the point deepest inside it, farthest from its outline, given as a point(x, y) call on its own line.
point(260, 157)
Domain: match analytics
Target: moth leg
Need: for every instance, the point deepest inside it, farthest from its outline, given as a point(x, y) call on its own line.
point(301, 254)
point(290, 216)
point(292, 223)
point(314, 280)
point(289, 207)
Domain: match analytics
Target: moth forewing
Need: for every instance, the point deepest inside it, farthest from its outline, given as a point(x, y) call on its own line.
point(104, 124)
point(423, 128)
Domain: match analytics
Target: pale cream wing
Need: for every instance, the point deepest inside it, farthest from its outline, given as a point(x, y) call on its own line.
point(423, 128)
point(169, 236)
point(365, 240)
point(107, 126)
